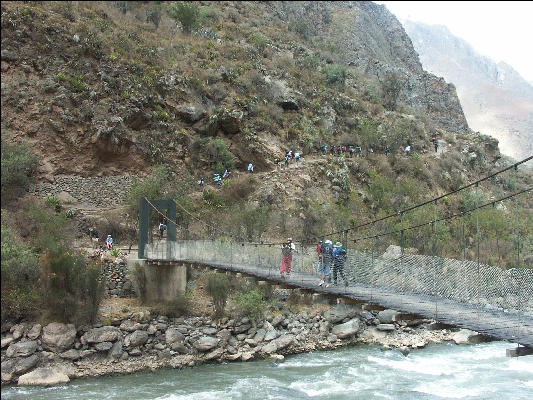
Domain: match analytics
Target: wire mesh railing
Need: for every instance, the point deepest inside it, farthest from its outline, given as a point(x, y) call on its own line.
point(480, 285)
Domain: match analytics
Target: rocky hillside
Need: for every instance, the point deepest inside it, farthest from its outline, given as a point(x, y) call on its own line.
point(97, 85)
point(104, 91)
point(496, 99)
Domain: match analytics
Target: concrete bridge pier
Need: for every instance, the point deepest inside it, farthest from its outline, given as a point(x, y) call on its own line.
point(519, 351)
point(165, 281)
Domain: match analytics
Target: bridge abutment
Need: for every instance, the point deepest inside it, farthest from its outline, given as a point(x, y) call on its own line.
point(165, 281)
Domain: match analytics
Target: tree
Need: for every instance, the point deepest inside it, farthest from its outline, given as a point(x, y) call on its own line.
point(186, 13)
point(391, 87)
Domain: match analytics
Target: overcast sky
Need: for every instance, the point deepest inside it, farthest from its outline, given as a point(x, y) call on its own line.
point(503, 31)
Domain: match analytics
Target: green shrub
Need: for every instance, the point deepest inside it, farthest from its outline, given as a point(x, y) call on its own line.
point(391, 88)
point(218, 288)
point(258, 41)
point(18, 165)
point(217, 153)
point(53, 202)
point(335, 73)
point(251, 304)
point(186, 13)
point(72, 289)
point(77, 84)
point(20, 279)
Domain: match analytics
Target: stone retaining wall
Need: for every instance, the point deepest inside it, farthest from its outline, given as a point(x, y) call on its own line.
point(117, 283)
point(94, 191)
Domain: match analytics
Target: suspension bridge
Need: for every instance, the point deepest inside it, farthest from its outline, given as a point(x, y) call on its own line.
point(381, 269)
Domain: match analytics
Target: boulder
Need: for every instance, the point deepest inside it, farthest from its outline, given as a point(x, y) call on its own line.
point(103, 334)
point(116, 350)
point(173, 335)
point(230, 121)
point(465, 336)
point(21, 349)
point(206, 343)
point(23, 365)
point(339, 312)
point(190, 113)
point(347, 329)
point(137, 338)
point(103, 346)
point(44, 377)
point(35, 331)
point(71, 354)
point(386, 327)
point(278, 344)
point(387, 316)
point(180, 347)
point(130, 326)
point(214, 354)
point(58, 337)
point(7, 341)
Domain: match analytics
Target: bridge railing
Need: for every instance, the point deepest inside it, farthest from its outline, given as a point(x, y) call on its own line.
point(480, 285)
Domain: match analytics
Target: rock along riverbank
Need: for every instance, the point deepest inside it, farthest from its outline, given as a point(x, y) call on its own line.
point(33, 354)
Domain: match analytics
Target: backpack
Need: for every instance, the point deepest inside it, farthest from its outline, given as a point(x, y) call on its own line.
point(286, 251)
point(327, 252)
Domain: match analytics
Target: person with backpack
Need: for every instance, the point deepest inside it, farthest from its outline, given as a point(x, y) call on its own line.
point(324, 149)
point(339, 259)
point(297, 157)
point(327, 260)
point(323, 272)
point(286, 257)
point(436, 144)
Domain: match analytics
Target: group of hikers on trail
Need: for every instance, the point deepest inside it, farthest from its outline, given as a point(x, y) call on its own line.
point(358, 151)
point(93, 233)
point(331, 257)
point(289, 155)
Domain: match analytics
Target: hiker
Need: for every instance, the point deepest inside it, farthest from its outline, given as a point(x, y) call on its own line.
point(297, 157)
point(370, 150)
point(327, 260)
point(286, 257)
point(277, 163)
point(217, 179)
point(109, 242)
point(408, 149)
point(226, 174)
point(324, 149)
point(339, 259)
point(332, 149)
point(436, 144)
point(322, 269)
point(201, 182)
point(251, 168)
point(387, 151)
point(287, 161)
point(351, 150)
point(93, 233)
point(358, 151)
point(161, 230)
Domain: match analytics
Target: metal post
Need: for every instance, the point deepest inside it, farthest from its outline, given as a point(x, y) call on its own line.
point(143, 227)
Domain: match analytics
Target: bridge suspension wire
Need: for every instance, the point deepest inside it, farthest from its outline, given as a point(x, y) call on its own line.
point(448, 217)
point(398, 213)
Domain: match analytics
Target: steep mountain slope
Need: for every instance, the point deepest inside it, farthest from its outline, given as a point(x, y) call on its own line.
point(105, 91)
point(496, 99)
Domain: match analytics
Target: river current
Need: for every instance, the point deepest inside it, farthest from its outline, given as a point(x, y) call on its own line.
point(439, 371)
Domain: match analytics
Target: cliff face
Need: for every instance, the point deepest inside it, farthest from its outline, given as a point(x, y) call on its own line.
point(96, 85)
point(496, 99)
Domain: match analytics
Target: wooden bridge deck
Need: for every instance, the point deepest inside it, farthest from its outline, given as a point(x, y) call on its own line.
point(496, 323)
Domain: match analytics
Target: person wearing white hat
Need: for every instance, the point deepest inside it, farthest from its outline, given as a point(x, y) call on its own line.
point(109, 242)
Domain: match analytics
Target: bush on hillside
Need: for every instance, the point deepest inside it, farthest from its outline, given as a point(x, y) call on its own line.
point(186, 13)
point(391, 88)
point(335, 73)
point(251, 304)
point(218, 288)
point(18, 164)
point(20, 277)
